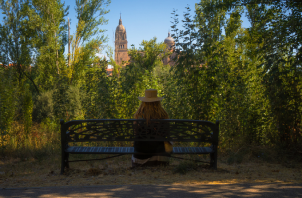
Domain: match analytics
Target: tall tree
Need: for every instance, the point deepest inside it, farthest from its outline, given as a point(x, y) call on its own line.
point(278, 47)
point(49, 36)
point(88, 39)
point(140, 73)
point(15, 44)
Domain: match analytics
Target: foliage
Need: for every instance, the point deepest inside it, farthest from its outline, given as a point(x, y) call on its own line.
point(87, 41)
point(32, 41)
point(248, 78)
point(15, 42)
point(7, 104)
point(43, 107)
point(46, 28)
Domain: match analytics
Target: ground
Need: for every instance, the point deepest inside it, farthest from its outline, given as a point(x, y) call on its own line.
point(117, 171)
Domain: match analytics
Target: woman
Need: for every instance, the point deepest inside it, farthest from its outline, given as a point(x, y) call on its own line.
point(150, 108)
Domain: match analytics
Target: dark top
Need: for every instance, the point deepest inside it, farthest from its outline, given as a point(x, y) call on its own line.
point(148, 147)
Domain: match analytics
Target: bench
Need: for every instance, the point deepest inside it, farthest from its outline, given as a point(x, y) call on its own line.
point(129, 130)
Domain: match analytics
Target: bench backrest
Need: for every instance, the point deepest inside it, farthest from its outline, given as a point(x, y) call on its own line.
point(139, 130)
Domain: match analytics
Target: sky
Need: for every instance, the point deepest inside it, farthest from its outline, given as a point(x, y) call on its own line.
point(142, 19)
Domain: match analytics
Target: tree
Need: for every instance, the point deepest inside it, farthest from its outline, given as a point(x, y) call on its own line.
point(85, 43)
point(45, 21)
point(15, 43)
point(274, 29)
point(149, 55)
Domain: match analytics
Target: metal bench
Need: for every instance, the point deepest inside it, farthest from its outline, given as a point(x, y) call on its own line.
point(129, 130)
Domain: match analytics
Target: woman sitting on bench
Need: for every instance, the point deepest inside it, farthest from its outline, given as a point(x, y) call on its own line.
point(150, 108)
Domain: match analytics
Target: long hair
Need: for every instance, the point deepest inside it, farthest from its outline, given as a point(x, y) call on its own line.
point(151, 110)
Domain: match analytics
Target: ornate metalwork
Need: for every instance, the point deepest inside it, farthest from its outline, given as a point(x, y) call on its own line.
point(101, 130)
point(111, 130)
point(139, 130)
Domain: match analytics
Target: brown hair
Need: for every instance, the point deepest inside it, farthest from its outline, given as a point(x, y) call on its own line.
point(151, 110)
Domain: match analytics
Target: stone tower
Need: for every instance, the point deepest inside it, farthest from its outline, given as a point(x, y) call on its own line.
point(121, 52)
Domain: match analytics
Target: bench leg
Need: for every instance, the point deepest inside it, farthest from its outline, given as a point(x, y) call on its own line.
point(214, 158)
point(213, 162)
point(67, 162)
point(64, 162)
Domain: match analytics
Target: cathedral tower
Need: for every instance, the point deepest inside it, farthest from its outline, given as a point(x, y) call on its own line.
point(121, 52)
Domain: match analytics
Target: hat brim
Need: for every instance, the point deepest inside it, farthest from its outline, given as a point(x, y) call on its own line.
point(144, 99)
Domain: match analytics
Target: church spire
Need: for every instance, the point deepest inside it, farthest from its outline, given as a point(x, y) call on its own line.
point(121, 50)
point(120, 22)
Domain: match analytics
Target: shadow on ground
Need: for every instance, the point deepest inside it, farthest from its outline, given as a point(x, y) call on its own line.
point(175, 191)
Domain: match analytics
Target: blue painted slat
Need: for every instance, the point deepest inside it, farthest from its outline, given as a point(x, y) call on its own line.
point(194, 149)
point(129, 150)
point(198, 150)
point(188, 151)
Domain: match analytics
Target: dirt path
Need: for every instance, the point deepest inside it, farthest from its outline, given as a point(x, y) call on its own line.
point(16, 173)
point(176, 191)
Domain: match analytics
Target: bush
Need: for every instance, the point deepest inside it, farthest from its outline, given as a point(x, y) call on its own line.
point(67, 103)
point(43, 107)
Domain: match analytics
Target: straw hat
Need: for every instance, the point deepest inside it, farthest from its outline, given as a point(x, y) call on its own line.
point(150, 96)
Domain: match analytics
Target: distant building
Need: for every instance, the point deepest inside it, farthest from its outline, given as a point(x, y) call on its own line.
point(109, 72)
point(121, 49)
point(170, 46)
point(121, 46)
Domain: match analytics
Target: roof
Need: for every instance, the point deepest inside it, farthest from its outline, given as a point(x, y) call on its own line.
point(120, 27)
point(169, 39)
point(109, 72)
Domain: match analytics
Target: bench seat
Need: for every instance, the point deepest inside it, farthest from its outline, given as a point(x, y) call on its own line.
point(130, 150)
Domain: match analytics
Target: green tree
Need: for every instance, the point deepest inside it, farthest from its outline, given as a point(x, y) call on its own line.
point(46, 23)
point(15, 42)
point(7, 104)
point(88, 39)
point(278, 52)
point(199, 60)
point(141, 74)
